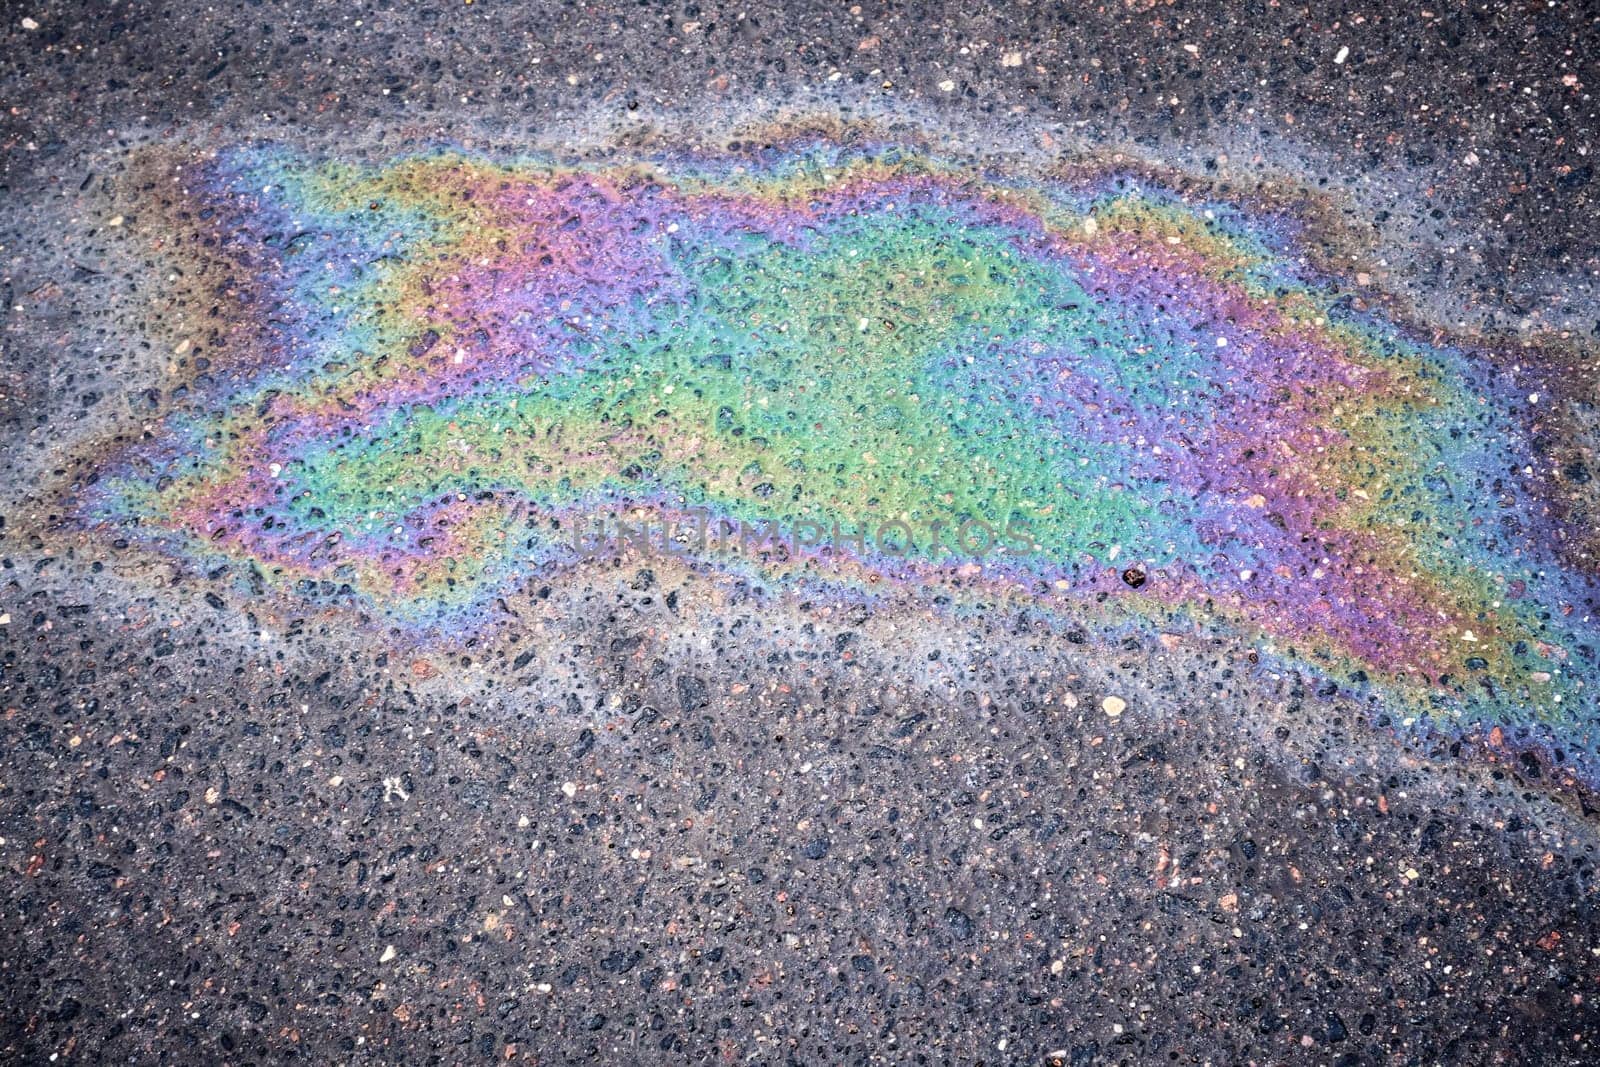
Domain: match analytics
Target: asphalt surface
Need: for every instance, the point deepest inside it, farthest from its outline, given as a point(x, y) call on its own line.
point(675, 818)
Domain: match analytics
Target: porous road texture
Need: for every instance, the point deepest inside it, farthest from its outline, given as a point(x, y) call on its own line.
point(798, 534)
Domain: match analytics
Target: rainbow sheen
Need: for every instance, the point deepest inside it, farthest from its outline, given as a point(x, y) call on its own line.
point(442, 365)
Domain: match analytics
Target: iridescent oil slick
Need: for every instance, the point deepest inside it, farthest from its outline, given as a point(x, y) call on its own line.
point(423, 374)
